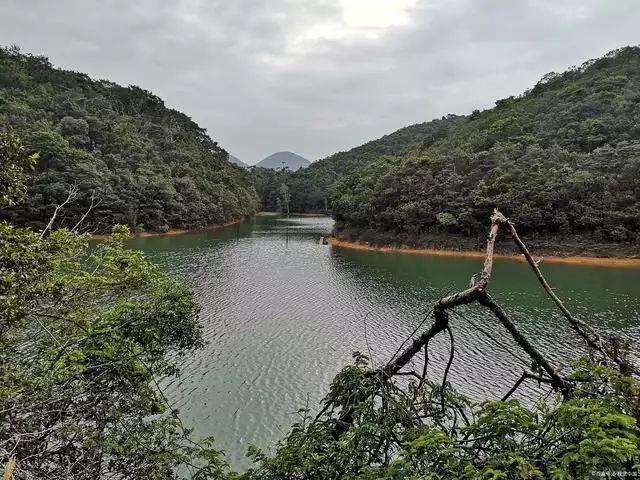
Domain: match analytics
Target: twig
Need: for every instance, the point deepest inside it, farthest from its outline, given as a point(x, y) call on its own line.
point(446, 370)
point(525, 375)
point(91, 206)
point(71, 196)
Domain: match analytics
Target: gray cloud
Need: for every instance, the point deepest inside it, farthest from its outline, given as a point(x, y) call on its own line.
point(312, 76)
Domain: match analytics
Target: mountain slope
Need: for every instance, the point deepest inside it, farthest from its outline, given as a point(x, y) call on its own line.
point(151, 167)
point(289, 160)
point(313, 188)
point(562, 159)
point(235, 160)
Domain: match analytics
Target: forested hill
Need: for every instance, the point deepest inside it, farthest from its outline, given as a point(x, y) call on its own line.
point(561, 159)
point(236, 161)
point(151, 167)
point(312, 189)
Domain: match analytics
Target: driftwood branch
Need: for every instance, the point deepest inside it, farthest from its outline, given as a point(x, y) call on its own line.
point(522, 341)
point(476, 292)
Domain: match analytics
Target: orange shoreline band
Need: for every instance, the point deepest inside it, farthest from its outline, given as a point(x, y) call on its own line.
point(575, 260)
point(173, 231)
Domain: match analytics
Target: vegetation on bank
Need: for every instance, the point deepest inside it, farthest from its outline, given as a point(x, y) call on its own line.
point(144, 165)
point(562, 159)
point(87, 335)
point(630, 260)
point(313, 189)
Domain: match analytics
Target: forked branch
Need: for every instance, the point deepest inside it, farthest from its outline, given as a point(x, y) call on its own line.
point(72, 194)
point(476, 292)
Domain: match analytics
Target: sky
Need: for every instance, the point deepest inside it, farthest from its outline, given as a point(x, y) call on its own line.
point(319, 76)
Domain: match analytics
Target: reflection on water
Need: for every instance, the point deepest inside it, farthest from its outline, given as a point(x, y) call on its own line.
point(282, 314)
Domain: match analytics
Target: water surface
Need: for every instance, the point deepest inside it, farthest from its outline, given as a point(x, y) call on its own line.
point(282, 314)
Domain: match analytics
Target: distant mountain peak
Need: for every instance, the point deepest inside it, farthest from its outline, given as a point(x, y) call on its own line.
point(291, 160)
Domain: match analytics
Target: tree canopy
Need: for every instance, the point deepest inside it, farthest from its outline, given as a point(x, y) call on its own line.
point(561, 159)
point(313, 188)
point(151, 167)
point(86, 334)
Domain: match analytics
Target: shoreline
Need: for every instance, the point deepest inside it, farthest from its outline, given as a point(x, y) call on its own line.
point(173, 231)
point(434, 252)
point(267, 213)
point(213, 226)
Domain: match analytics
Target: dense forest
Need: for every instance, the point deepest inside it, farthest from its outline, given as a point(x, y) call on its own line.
point(313, 188)
point(144, 165)
point(89, 333)
point(562, 159)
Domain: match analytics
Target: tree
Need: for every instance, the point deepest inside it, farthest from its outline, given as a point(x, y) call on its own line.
point(86, 333)
point(13, 167)
point(284, 198)
point(151, 167)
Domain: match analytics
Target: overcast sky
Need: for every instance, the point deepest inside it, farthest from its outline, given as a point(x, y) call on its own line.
point(318, 76)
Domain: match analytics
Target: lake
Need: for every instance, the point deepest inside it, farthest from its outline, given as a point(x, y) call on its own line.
point(282, 314)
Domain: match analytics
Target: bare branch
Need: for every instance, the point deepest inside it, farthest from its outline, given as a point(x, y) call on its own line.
point(558, 382)
point(578, 325)
point(586, 331)
point(91, 206)
point(449, 363)
point(525, 375)
point(478, 283)
point(71, 196)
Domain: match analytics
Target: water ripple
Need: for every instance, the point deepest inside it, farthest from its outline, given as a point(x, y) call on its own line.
point(282, 314)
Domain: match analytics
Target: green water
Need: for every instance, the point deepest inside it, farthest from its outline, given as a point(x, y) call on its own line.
point(282, 313)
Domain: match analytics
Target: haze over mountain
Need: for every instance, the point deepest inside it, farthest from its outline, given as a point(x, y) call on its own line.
point(237, 161)
point(290, 160)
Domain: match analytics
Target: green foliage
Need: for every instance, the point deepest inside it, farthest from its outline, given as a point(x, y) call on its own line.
point(312, 189)
point(151, 167)
point(424, 431)
point(86, 334)
point(562, 159)
point(13, 164)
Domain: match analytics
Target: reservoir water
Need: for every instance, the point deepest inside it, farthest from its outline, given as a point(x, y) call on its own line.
point(282, 314)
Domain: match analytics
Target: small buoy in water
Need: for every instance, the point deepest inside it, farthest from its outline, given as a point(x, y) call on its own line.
point(324, 241)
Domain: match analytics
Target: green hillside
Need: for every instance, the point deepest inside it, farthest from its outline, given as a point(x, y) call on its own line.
point(562, 159)
point(151, 167)
point(313, 188)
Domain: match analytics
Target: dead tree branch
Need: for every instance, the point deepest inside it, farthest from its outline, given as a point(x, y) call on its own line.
point(73, 193)
point(86, 213)
point(476, 292)
point(478, 283)
point(578, 325)
point(525, 375)
point(522, 341)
